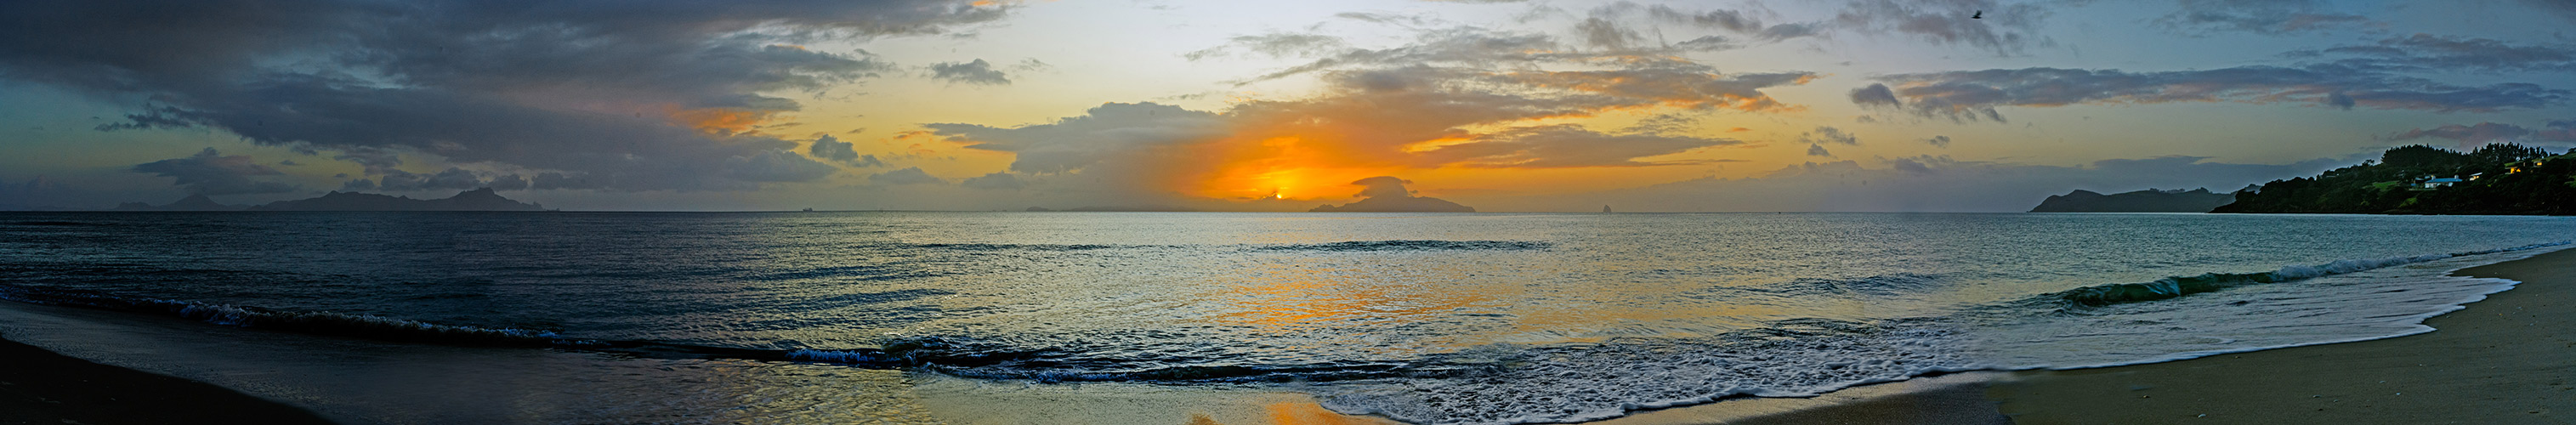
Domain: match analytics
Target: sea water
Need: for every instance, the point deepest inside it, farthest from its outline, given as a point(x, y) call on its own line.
point(1427, 318)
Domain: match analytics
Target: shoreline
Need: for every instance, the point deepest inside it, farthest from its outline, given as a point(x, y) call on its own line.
point(2502, 359)
point(44, 387)
point(2496, 360)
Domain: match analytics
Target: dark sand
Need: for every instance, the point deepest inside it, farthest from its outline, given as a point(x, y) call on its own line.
point(2510, 359)
point(40, 387)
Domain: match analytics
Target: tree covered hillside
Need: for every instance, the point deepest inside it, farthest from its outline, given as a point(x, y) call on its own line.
point(2496, 179)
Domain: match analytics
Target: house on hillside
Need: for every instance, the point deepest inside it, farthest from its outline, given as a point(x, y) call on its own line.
point(2430, 183)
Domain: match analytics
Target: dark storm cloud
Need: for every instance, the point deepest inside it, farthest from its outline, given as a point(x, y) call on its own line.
point(911, 175)
point(2270, 17)
point(1974, 95)
point(2006, 29)
point(212, 173)
point(620, 95)
point(976, 72)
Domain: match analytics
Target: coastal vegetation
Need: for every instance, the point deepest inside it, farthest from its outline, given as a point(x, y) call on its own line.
point(2495, 179)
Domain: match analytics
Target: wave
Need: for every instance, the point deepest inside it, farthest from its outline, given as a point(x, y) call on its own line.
point(1411, 245)
point(54, 224)
point(316, 322)
point(2177, 286)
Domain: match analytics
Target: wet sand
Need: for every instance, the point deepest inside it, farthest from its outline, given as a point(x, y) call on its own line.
point(41, 387)
point(2508, 359)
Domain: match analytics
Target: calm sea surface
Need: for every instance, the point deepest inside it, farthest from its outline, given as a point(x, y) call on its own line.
point(1430, 318)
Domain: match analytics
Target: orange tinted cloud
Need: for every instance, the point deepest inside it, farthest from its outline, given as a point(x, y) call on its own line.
point(721, 121)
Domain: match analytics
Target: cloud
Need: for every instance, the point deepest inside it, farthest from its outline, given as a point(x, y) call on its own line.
point(1921, 183)
point(1102, 133)
point(2006, 29)
point(833, 149)
point(1938, 141)
point(1387, 194)
point(909, 175)
point(1875, 94)
point(1828, 134)
point(995, 181)
point(2268, 17)
point(1564, 146)
point(2562, 8)
point(212, 173)
point(976, 72)
point(1975, 95)
point(2490, 132)
point(1819, 150)
point(660, 95)
point(1449, 97)
point(2426, 52)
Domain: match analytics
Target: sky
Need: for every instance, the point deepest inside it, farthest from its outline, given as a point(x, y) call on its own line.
point(1539, 105)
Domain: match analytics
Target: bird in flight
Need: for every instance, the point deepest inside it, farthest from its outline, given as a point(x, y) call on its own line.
point(1979, 15)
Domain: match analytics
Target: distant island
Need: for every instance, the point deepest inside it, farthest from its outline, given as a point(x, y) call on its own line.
point(2150, 200)
point(2496, 179)
point(484, 199)
point(1387, 194)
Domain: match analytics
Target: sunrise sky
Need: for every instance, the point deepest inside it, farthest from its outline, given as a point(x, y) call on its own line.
point(1869, 105)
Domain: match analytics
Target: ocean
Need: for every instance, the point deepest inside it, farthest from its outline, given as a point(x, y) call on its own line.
point(930, 317)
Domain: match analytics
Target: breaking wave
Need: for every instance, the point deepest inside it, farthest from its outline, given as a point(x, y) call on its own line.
point(2177, 286)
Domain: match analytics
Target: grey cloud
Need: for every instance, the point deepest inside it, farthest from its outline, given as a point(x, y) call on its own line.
point(1938, 141)
point(2426, 52)
point(1819, 150)
point(1277, 45)
point(1972, 95)
point(1874, 95)
point(909, 175)
point(1104, 132)
point(976, 72)
point(2562, 8)
point(2486, 132)
point(2271, 17)
point(1735, 21)
point(1561, 146)
point(832, 149)
point(1922, 183)
point(647, 95)
point(2006, 29)
point(1603, 33)
point(212, 173)
point(1828, 134)
point(995, 181)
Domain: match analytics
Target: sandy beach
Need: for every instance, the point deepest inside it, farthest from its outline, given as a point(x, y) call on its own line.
point(2504, 359)
point(41, 387)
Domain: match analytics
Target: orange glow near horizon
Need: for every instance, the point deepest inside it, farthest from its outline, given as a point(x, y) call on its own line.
point(717, 120)
point(1285, 167)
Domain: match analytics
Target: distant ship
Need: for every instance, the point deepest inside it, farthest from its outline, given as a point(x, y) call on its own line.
point(809, 210)
point(1605, 209)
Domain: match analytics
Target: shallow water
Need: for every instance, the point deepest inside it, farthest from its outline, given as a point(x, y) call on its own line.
point(1438, 318)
